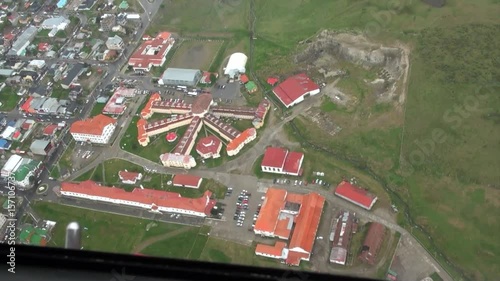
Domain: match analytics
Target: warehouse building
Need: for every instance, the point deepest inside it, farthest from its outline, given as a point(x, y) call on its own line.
point(180, 77)
point(236, 65)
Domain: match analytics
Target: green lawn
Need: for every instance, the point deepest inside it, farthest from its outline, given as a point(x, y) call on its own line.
point(8, 98)
point(222, 251)
point(179, 246)
point(59, 93)
point(157, 145)
point(105, 232)
point(121, 234)
point(54, 172)
point(97, 109)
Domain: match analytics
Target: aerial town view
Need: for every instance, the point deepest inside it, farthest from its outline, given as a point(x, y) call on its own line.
point(355, 138)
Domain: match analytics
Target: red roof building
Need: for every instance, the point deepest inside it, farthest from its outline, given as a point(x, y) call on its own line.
point(244, 78)
point(209, 147)
point(294, 89)
point(201, 112)
point(43, 47)
point(207, 77)
point(279, 160)
point(150, 199)
point(152, 52)
point(115, 104)
point(278, 251)
point(187, 181)
point(129, 177)
point(50, 130)
point(372, 243)
point(355, 195)
point(280, 213)
point(98, 129)
point(272, 81)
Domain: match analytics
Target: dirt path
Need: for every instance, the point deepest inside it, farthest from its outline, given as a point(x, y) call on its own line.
point(144, 244)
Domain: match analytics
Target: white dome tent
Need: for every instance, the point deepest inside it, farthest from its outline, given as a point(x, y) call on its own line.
point(236, 65)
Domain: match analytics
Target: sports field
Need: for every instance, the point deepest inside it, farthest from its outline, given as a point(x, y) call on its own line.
point(196, 54)
point(442, 162)
point(122, 234)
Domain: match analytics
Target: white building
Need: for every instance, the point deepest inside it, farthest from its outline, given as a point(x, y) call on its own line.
point(98, 129)
point(236, 65)
point(11, 165)
point(59, 23)
point(115, 43)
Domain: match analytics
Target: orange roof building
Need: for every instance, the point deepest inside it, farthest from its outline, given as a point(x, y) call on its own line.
point(234, 147)
point(150, 199)
point(129, 177)
point(278, 251)
point(98, 129)
point(290, 216)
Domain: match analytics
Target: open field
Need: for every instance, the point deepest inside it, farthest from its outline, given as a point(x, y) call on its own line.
point(210, 17)
point(448, 179)
point(121, 234)
point(105, 232)
point(196, 54)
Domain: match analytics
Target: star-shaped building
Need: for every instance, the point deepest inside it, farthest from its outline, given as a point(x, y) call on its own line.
point(203, 111)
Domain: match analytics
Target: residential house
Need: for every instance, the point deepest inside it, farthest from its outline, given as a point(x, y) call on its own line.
point(72, 75)
point(115, 43)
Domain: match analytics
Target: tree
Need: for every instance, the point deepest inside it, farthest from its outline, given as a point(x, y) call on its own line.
point(213, 78)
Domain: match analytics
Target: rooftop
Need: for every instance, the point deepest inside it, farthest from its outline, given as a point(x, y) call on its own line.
point(356, 195)
point(186, 180)
point(92, 126)
point(294, 87)
point(143, 196)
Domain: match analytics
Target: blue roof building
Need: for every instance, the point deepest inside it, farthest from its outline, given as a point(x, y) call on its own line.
point(4, 144)
point(61, 3)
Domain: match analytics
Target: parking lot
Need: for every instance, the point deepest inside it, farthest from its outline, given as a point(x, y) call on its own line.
point(226, 91)
point(232, 226)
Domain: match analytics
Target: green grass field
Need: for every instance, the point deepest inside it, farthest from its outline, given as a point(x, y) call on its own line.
point(122, 234)
point(8, 98)
point(207, 17)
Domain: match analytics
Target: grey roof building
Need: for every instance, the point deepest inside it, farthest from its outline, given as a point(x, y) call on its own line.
point(6, 72)
point(23, 41)
point(73, 73)
point(180, 77)
point(115, 43)
point(40, 147)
